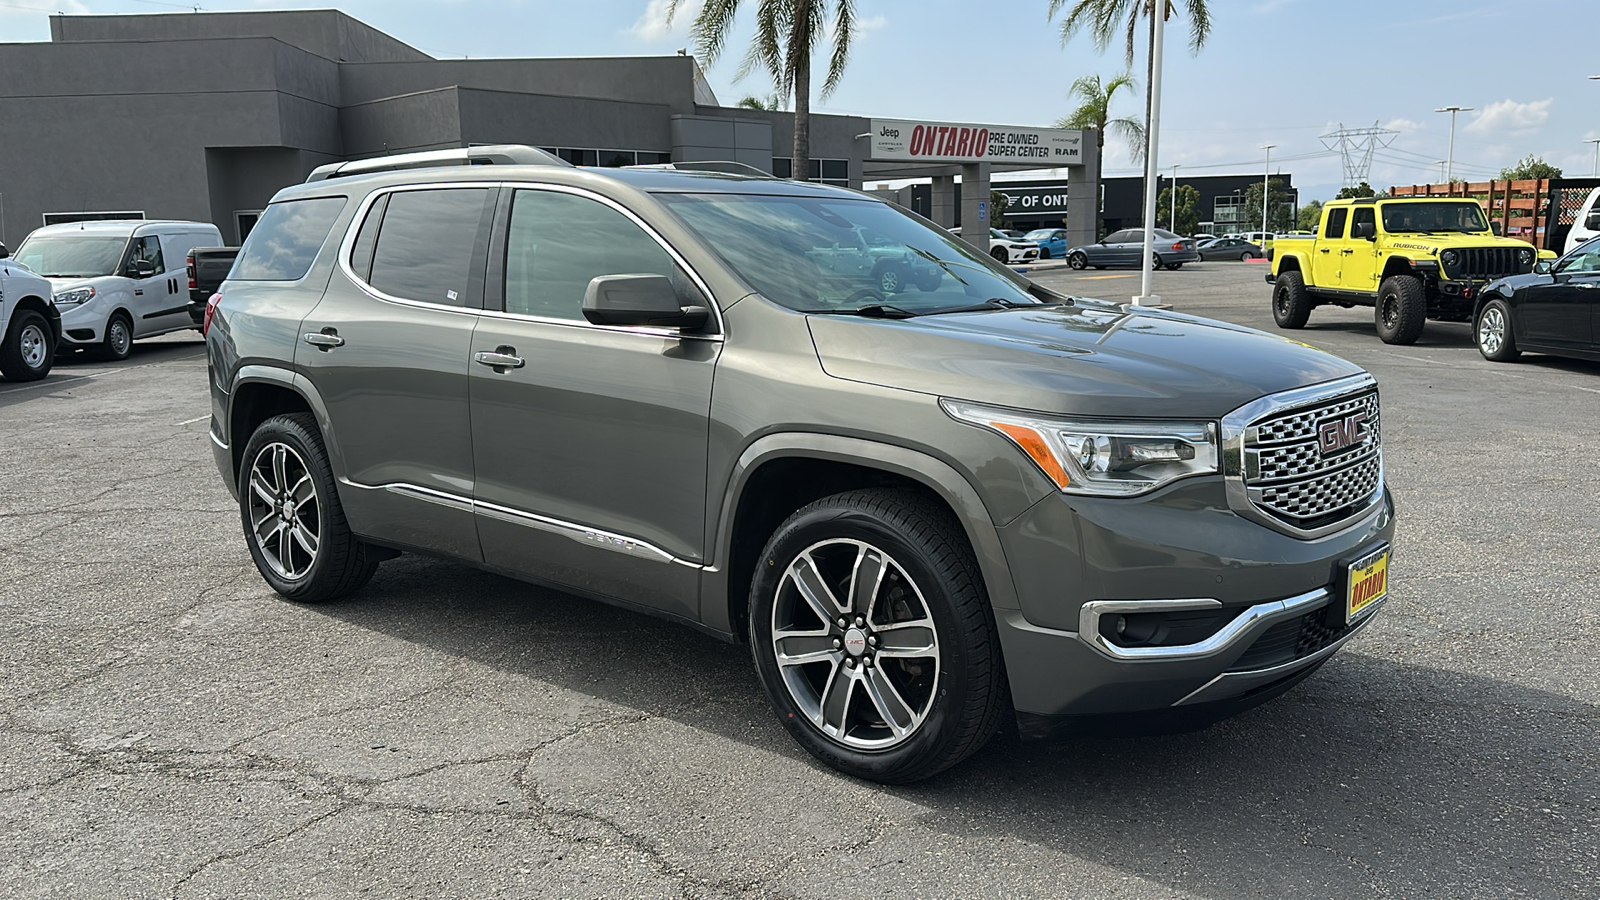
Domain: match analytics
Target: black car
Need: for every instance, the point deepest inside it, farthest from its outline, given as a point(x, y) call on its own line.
point(1229, 248)
point(1550, 310)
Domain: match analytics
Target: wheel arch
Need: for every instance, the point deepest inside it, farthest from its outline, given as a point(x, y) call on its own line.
point(35, 303)
point(781, 473)
point(1292, 262)
point(1399, 265)
point(260, 392)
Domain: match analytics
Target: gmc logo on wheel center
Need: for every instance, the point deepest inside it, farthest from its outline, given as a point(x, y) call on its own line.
point(1340, 434)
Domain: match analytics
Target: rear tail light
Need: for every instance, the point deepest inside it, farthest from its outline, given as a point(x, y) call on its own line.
point(188, 266)
point(211, 310)
point(1177, 246)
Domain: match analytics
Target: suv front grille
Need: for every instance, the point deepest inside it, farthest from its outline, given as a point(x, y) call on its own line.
point(1486, 263)
point(1315, 465)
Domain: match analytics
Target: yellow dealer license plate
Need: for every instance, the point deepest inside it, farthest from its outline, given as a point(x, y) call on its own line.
point(1367, 584)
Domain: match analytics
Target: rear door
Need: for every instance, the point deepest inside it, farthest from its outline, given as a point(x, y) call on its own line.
point(1331, 247)
point(171, 301)
point(591, 449)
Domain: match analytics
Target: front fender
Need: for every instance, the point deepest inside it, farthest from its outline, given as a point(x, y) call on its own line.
point(926, 470)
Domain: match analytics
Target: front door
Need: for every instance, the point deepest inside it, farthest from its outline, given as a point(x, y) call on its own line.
point(388, 353)
point(1360, 266)
point(153, 297)
point(590, 441)
point(1561, 312)
point(1332, 247)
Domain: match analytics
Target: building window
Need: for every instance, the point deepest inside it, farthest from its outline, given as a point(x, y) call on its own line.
point(582, 156)
point(823, 171)
point(1228, 209)
point(68, 218)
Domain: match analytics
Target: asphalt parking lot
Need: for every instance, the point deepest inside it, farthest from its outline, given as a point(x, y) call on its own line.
point(170, 728)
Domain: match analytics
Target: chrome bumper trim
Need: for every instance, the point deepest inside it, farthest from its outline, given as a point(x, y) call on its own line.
point(1243, 628)
point(1231, 684)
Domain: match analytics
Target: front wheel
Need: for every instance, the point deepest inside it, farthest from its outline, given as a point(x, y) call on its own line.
point(1000, 255)
point(1401, 311)
point(1078, 261)
point(873, 637)
point(1493, 334)
point(29, 350)
point(293, 522)
point(118, 342)
point(1044, 252)
point(891, 280)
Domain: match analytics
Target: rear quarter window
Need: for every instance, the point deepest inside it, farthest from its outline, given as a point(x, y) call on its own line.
point(285, 242)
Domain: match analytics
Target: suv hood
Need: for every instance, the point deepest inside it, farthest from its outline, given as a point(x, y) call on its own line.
point(1090, 360)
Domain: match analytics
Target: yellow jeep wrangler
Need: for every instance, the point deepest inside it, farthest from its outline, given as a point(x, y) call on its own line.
point(1411, 259)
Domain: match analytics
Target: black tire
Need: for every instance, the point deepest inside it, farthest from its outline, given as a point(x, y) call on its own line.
point(1173, 267)
point(1155, 261)
point(117, 343)
point(1247, 256)
point(1401, 311)
point(891, 280)
point(1291, 302)
point(1079, 261)
point(931, 575)
point(341, 563)
point(1000, 255)
point(30, 347)
point(1492, 331)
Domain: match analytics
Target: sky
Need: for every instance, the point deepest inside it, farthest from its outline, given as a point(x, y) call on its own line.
point(1282, 72)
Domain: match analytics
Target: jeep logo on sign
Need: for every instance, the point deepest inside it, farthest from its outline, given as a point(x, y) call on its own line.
point(1335, 435)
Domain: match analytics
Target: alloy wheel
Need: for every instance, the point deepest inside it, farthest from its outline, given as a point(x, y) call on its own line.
point(34, 345)
point(285, 517)
point(1391, 312)
point(856, 644)
point(1492, 330)
point(889, 281)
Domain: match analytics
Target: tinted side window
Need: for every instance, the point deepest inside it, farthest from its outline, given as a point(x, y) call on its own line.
point(1335, 227)
point(1119, 237)
point(1362, 214)
point(426, 244)
point(557, 242)
point(285, 241)
point(367, 239)
point(148, 249)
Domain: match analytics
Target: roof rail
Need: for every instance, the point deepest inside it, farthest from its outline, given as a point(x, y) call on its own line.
point(487, 155)
point(724, 166)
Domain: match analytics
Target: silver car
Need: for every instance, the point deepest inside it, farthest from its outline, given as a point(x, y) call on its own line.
point(1124, 249)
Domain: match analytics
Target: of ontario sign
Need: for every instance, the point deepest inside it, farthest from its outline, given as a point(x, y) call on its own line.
point(901, 140)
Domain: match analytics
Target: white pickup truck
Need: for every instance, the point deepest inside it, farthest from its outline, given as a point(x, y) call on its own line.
point(29, 323)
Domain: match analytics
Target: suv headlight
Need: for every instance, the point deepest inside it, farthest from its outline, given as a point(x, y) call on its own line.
point(74, 297)
point(1101, 457)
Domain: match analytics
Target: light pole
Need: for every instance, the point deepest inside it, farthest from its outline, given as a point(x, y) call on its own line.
point(1266, 189)
point(1174, 202)
point(1596, 143)
point(1450, 158)
point(1440, 163)
point(1151, 173)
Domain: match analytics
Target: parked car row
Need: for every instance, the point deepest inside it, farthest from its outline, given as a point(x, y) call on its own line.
point(1125, 248)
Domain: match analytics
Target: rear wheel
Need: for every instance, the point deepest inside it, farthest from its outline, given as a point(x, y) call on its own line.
point(1247, 256)
point(1493, 333)
point(1155, 260)
point(29, 349)
point(293, 522)
point(1291, 302)
point(891, 280)
point(1174, 266)
point(873, 637)
point(1401, 311)
point(1079, 261)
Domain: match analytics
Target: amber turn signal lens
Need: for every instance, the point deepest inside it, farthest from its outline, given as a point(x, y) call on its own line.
point(1032, 443)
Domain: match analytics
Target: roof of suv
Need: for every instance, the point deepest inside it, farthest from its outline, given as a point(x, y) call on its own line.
point(125, 227)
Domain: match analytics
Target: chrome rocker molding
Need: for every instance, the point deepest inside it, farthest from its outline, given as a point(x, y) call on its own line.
point(589, 536)
point(1232, 684)
point(1243, 628)
point(1237, 423)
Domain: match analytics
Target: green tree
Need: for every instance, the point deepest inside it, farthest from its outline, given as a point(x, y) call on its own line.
point(1188, 209)
point(1530, 167)
point(998, 204)
point(1310, 216)
point(1348, 193)
point(751, 101)
point(1281, 215)
point(1104, 19)
point(1094, 112)
point(787, 33)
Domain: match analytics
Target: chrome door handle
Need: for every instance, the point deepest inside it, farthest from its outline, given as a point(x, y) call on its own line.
point(326, 339)
point(500, 359)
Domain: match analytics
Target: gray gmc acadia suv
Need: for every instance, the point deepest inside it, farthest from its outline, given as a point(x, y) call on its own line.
point(691, 393)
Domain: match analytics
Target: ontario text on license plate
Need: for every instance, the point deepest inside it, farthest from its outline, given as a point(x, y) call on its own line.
point(1367, 584)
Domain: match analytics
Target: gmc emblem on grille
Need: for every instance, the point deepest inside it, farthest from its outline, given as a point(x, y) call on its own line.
point(1340, 434)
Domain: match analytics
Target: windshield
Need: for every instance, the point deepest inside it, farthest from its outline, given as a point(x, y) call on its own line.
point(1042, 234)
point(1426, 217)
point(71, 255)
point(836, 254)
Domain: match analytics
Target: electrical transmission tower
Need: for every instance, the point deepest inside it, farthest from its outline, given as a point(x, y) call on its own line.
point(1355, 146)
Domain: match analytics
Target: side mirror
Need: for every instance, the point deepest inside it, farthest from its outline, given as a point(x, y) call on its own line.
point(1365, 230)
point(4, 253)
point(141, 268)
point(1542, 267)
point(1592, 220)
point(639, 300)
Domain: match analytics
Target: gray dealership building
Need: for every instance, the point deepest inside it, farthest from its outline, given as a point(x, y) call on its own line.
point(205, 116)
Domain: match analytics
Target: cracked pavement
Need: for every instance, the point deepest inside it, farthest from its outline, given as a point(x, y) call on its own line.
point(169, 728)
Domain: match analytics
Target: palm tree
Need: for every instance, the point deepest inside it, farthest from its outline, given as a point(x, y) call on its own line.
point(787, 32)
point(1104, 18)
point(1094, 111)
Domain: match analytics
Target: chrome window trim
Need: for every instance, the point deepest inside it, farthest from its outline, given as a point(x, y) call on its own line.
point(1244, 627)
point(583, 534)
point(347, 244)
point(1237, 424)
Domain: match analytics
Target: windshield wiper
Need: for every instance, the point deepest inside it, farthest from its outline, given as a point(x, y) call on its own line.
point(870, 311)
point(940, 263)
point(991, 303)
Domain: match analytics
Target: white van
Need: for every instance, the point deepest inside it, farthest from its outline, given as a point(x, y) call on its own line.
point(117, 281)
point(1587, 223)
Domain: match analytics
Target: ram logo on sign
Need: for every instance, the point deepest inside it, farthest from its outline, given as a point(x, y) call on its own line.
point(895, 140)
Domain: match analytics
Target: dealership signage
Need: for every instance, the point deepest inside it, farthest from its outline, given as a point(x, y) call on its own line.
point(900, 140)
point(1033, 199)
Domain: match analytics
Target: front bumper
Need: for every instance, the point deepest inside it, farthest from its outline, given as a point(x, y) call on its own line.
point(1262, 599)
point(83, 325)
